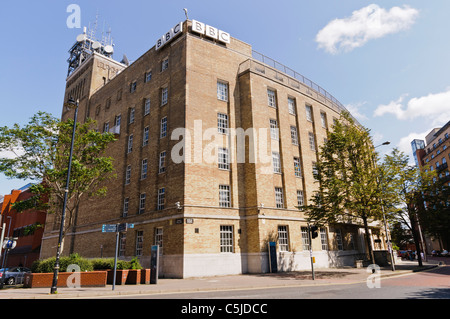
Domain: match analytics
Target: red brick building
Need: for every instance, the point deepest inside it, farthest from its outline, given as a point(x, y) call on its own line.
point(24, 226)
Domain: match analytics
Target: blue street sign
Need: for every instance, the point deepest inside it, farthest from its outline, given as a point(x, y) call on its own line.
point(109, 228)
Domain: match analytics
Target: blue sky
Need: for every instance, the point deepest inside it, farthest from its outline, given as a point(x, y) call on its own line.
point(387, 61)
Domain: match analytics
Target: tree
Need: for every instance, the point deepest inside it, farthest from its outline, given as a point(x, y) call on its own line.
point(405, 188)
point(434, 215)
point(347, 177)
point(41, 153)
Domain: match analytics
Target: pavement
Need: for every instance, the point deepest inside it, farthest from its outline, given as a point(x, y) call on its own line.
point(328, 276)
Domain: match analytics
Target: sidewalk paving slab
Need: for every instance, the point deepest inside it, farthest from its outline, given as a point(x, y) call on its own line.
point(328, 276)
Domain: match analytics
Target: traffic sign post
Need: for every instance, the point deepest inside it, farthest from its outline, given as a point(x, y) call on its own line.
point(116, 228)
point(8, 244)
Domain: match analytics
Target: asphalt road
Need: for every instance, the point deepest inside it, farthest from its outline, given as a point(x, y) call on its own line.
point(432, 284)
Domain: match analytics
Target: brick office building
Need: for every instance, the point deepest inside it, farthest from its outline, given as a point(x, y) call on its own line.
point(434, 152)
point(185, 178)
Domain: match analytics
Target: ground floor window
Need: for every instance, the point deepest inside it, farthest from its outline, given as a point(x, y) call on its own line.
point(226, 239)
point(283, 238)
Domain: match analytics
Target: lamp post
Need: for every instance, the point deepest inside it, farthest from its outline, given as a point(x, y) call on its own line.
point(71, 104)
point(389, 243)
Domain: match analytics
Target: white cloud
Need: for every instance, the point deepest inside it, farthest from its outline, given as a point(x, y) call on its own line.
point(433, 107)
point(355, 110)
point(404, 144)
point(368, 23)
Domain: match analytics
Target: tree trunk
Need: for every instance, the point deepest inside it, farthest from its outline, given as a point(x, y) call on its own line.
point(412, 217)
point(368, 242)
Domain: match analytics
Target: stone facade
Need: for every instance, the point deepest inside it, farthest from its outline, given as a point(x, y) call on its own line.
point(208, 218)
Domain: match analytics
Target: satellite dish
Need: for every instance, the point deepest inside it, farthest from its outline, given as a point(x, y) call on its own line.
point(125, 60)
point(96, 45)
point(81, 38)
point(109, 49)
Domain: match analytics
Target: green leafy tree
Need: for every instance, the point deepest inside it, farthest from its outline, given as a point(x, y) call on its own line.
point(349, 190)
point(41, 153)
point(405, 188)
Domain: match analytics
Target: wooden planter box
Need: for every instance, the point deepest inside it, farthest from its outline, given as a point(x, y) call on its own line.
point(145, 276)
point(86, 279)
point(121, 276)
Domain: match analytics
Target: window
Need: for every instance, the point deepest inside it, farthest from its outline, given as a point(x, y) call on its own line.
point(165, 64)
point(339, 243)
point(294, 135)
point(279, 202)
point(145, 137)
point(108, 103)
point(297, 167)
point(276, 162)
point(226, 239)
point(119, 95)
point(300, 198)
point(144, 167)
point(141, 203)
point(162, 162)
point(283, 238)
point(323, 119)
point(163, 132)
point(159, 238)
point(274, 134)
point(291, 106)
point(222, 123)
point(122, 244)
point(130, 144)
point(271, 98)
point(324, 238)
point(224, 196)
point(305, 238)
point(128, 175)
point(164, 95)
point(161, 198)
point(222, 91)
point(312, 141)
point(223, 158)
point(147, 106)
point(139, 242)
point(148, 76)
point(106, 127)
point(314, 170)
point(126, 203)
point(131, 119)
point(309, 113)
point(117, 120)
point(133, 87)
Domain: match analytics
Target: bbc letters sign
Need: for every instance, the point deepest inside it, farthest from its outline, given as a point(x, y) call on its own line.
point(210, 31)
point(169, 36)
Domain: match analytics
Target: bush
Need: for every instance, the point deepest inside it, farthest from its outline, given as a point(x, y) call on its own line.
point(48, 265)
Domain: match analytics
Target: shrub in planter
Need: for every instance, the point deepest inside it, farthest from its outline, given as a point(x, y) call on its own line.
point(48, 265)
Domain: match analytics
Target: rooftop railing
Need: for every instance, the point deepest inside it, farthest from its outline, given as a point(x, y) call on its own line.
point(278, 71)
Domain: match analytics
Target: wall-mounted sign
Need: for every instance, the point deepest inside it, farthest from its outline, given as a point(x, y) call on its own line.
point(169, 36)
point(210, 31)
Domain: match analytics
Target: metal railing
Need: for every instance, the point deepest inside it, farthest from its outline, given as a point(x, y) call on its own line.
point(282, 73)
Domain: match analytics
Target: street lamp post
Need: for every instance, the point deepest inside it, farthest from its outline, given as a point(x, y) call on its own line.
point(389, 243)
point(73, 105)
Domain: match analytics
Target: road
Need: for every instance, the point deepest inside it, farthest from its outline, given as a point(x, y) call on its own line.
point(434, 284)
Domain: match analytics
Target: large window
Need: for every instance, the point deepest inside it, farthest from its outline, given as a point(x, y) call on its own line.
point(279, 202)
point(161, 198)
point(271, 98)
point(159, 238)
point(144, 168)
point(224, 196)
point(312, 141)
point(164, 95)
point(222, 91)
point(324, 238)
point(309, 116)
point(305, 238)
point(163, 132)
point(283, 238)
point(224, 162)
point(274, 133)
point(142, 203)
point(222, 123)
point(226, 239)
point(297, 167)
point(139, 242)
point(276, 162)
point(291, 105)
point(162, 162)
point(294, 135)
point(130, 144)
